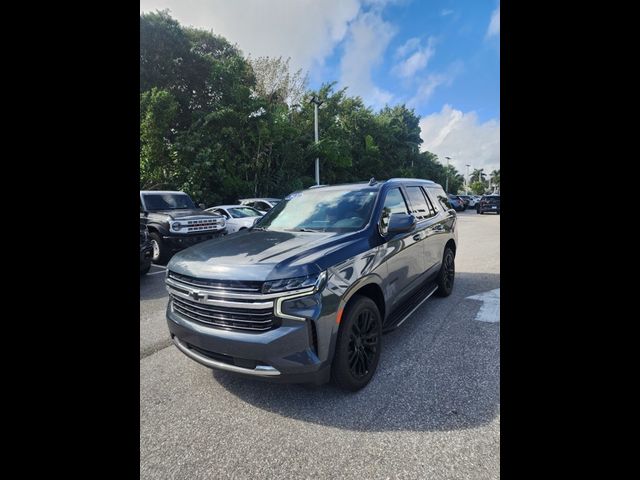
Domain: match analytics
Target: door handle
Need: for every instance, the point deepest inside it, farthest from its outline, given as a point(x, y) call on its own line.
point(438, 228)
point(417, 237)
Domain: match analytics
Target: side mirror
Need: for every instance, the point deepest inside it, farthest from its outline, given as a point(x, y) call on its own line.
point(401, 223)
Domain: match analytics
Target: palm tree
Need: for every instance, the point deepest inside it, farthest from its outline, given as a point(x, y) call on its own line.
point(495, 178)
point(477, 175)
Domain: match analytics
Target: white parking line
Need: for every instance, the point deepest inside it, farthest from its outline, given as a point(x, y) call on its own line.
point(490, 308)
point(159, 266)
point(155, 273)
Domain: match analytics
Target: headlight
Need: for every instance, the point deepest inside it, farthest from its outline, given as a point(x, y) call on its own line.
point(176, 225)
point(318, 280)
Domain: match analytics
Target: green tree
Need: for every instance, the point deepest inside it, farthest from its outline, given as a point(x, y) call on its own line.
point(220, 126)
point(477, 175)
point(495, 178)
point(478, 187)
point(158, 110)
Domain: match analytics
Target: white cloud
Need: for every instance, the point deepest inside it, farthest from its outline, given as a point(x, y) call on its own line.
point(460, 136)
point(367, 40)
point(407, 47)
point(305, 30)
point(494, 24)
point(446, 12)
point(428, 85)
point(416, 61)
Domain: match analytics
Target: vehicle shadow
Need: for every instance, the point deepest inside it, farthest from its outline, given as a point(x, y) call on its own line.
point(152, 286)
point(439, 371)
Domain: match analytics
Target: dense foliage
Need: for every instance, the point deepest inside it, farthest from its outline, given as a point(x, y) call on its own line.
point(220, 126)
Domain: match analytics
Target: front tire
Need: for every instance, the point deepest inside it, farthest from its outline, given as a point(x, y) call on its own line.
point(160, 250)
point(447, 274)
point(358, 345)
point(145, 268)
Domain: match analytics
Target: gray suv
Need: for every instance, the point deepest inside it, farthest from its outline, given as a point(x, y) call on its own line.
point(306, 294)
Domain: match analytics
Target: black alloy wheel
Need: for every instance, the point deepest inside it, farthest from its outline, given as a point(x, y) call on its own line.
point(359, 344)
point(363, 344)
point(447, 274)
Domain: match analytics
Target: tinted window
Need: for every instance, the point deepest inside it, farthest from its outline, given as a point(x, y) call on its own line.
point(442, 198)
point(262, 206)
point(394, 203)
point(167, 201)
point(420, 206)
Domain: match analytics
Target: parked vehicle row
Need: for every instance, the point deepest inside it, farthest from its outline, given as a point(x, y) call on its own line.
point(470, 200)
point(457, 203)
point(170, 221)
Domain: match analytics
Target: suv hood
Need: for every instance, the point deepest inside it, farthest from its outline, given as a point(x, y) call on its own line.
point(175, 214)
point(259, 255)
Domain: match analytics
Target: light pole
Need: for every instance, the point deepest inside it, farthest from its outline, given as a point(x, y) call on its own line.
point(467, 180)
point(316, 104)
point(446, 186)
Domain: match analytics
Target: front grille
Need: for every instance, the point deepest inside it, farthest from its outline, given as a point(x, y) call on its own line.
point(230, 305)
point(233, 319)
point(203, 224)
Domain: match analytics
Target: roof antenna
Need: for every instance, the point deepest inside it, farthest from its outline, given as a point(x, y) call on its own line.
point(372, 181)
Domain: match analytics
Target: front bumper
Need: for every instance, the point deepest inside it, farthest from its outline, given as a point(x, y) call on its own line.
point(178, 242)
point(284, 354)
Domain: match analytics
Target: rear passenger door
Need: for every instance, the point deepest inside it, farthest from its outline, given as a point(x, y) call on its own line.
point(446, 219)
point(427, 227)
point(401, 252)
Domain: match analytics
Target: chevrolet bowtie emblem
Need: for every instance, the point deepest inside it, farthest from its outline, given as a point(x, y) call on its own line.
point(196, 295)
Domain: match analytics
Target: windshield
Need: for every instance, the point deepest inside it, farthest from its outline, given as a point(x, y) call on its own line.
point(343, 210)
point(167, 201)
point(243, 212)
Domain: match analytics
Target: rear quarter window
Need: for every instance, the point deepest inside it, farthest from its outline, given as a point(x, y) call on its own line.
point(442, 198)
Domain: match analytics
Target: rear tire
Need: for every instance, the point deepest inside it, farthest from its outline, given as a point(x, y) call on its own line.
point(447, 273)
point(358, 346)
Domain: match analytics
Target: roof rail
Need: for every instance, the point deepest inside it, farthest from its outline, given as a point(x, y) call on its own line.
point(409, 180)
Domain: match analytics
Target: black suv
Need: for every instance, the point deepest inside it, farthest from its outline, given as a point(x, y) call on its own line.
point(488, 203)
point(306, 294)
point(146, 249)
point(174, 222)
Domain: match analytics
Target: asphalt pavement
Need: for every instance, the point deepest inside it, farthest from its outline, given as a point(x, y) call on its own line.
point(431, 411)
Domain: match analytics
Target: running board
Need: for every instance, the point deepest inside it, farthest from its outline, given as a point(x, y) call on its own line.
point(404, 311)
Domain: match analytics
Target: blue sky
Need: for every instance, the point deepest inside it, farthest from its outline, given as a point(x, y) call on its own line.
point(440, 57)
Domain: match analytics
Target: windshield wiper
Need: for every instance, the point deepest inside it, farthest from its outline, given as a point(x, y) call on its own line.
point(259, 228)
point(304, 229)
